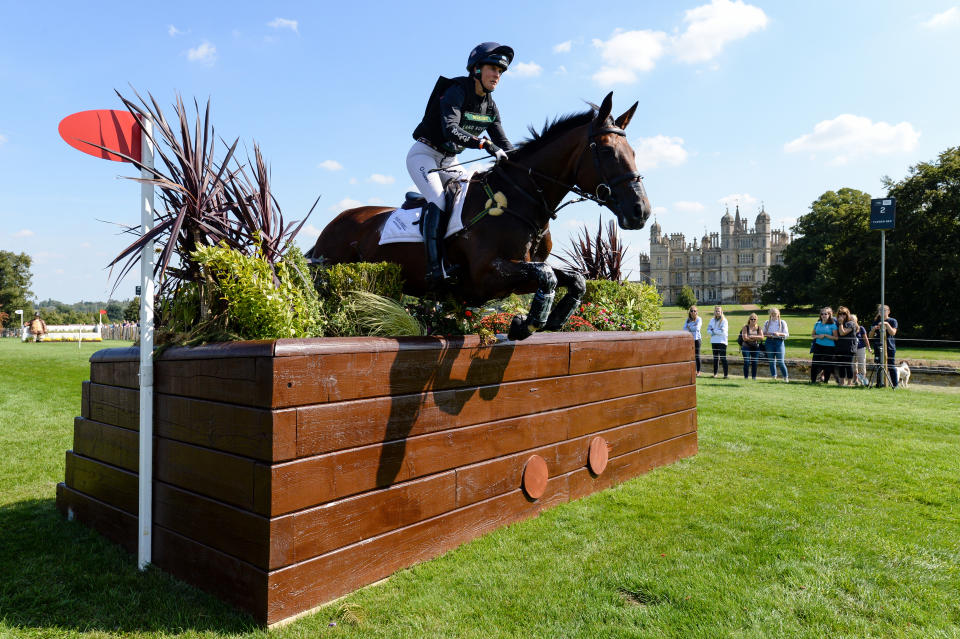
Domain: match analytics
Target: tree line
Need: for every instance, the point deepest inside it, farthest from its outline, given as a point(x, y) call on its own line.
point(15, 294)
point(835, 257)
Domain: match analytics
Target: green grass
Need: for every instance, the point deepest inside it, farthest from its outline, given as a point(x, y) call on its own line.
point(803, 515)
point(801, 326)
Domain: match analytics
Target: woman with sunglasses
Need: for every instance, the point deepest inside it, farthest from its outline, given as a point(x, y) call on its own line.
point(752, 335)
point(824, 345)
point(692, 326)
point(775, 331)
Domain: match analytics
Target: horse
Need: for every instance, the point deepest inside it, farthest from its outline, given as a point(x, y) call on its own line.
point(497, 255)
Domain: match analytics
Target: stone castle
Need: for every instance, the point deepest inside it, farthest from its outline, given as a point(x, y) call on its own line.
point(723, 267)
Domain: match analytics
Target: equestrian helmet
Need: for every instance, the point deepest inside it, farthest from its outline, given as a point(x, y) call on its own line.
point(493, 53)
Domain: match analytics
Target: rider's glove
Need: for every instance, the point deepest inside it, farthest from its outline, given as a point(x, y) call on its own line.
point(494, 150)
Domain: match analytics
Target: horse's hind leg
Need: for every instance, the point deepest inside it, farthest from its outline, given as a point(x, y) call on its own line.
point(576, 286)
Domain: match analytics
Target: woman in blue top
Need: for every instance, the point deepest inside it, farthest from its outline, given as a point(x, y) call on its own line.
point(824, 346)
point(692, 326)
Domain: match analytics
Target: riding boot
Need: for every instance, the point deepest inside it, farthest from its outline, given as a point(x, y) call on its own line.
point(433, 244)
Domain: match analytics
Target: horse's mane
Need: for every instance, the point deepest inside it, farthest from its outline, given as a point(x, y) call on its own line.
point(560, 125)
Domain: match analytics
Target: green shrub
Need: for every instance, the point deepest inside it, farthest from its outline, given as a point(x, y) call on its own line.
point(378, 315)
point(686, 298)
point(251, 304)
point(337, 281)
point(634, 306)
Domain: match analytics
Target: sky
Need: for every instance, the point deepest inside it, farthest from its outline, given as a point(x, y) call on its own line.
point(741, 102)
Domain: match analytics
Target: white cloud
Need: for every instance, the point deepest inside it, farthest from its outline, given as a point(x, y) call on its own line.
point(741, 199)
point(353, 181)
point(173, 32)
point(945, 20)
point(563, 47)
point(712, 26)
point(659, 210)
point(688, 207)
point(3, 139)
point(381, 179)
point(309, 231)
point(206, 53)
point(847, 136)
point(525, 69)
point(283, 23)
point(346, 203)
point(660, 149)
point(24, 233)
point(561, 70)
point(628, 52)
point(330, 165)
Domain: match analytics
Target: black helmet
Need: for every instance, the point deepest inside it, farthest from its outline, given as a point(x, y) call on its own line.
point(490, 53)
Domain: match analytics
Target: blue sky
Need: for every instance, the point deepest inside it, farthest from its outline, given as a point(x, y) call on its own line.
point(739, 102)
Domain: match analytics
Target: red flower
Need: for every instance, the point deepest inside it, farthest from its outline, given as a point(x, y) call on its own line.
point(468, 314)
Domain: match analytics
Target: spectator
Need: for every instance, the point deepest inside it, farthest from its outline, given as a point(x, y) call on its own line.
point(692, 326)
point(863, 345)
point(37, 326)
point(824, 346)
point(718, 329)
point(846, 346)
point(890, 330)
point(752, 336)
point(775, 333)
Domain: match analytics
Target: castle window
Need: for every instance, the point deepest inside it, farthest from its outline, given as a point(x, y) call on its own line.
point(711, 260)
point(678, 261)
point(678, 278)
point(659, 260)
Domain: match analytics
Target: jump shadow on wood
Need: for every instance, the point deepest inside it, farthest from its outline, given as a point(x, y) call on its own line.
point(59, 574)
point(416, 370)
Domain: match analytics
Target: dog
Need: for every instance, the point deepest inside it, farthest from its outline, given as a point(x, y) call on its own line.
point(903, 374)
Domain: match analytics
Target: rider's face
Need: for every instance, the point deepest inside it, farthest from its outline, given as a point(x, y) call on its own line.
point(490, 76)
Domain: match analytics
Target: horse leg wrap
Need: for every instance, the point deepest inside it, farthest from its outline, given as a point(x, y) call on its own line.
point(562, 312)
point(540, 309)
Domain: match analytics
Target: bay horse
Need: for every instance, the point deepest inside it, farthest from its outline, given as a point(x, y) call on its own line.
point(586, 153)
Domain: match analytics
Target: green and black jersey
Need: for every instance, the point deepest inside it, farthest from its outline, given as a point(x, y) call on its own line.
point(456, 116)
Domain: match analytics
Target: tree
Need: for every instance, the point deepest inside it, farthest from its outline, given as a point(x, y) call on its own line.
point(923, 251)
point(131, 312)
point(15, 282)
point(686, 298)
point(835, 260)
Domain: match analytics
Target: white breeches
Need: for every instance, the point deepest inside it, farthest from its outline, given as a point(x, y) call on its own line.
point(420, 160)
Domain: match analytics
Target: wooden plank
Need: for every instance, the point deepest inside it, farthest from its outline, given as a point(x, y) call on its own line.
point(114, 524)
point(251, 432)
point(341, 523)
point(320, 428)
point(207, 472)
point(310, 583)
point(239, 380)
point(662, 347)
point(234, 531)
point(115, 373)
point(304, 380)
point(105, 483)
point(487, 479)
point(108, 444)
point(669, 375)
point(595, 417)
point(635, 463)
point(115, 405)
point(227, 577)
point(313, 480)
point(85, 399)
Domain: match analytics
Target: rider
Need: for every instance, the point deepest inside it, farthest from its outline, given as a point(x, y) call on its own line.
point(458, 111)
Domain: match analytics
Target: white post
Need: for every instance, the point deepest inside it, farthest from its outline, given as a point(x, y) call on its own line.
point(883, 288)
point(145, 521)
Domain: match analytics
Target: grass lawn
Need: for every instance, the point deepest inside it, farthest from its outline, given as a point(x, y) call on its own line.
point(803, 515)
point(800, 325)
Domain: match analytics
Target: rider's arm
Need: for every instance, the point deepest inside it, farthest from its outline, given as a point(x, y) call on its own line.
point(496, 132)
point(450, 106)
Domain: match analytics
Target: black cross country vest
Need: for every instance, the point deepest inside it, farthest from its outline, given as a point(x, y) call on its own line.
point(456, 116)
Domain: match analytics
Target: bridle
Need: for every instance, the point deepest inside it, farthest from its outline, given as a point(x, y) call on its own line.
point(603, 193)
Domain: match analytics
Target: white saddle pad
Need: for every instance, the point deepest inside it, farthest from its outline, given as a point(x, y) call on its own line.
point(401, 225)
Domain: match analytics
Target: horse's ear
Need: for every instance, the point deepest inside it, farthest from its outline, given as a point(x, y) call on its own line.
point(624, 119)
point(605, 107)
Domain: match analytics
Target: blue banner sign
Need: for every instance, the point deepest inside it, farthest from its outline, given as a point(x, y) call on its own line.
point(883, 213)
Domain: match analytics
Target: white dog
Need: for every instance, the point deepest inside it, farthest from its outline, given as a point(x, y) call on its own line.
point(903, 374)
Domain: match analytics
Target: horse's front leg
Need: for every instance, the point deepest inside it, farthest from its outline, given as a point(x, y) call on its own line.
point(527, 275)
point(576, 286)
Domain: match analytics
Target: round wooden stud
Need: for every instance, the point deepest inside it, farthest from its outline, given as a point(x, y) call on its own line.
point(599, 454)
point(535, 475)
